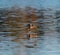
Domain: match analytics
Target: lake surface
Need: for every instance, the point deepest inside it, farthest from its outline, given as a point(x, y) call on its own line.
point(49, 44)
point(30, 33)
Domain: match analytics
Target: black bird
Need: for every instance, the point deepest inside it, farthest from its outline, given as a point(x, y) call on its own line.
point(28, 25)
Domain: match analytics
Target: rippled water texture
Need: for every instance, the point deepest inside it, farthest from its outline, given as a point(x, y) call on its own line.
point(29, 31)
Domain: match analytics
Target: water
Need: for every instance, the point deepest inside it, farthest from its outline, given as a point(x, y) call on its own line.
point(45, 45)
point(26, 37)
